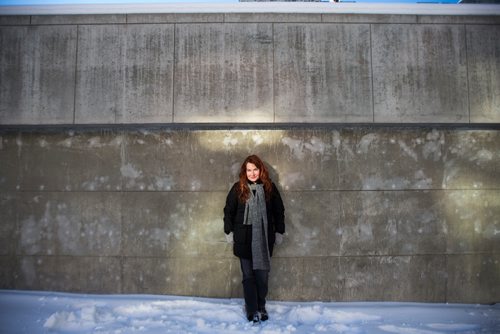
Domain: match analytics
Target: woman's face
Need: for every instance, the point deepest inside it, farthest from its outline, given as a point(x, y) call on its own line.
point(253, 173)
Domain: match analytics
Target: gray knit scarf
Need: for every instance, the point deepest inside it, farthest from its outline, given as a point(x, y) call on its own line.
point(255, 215)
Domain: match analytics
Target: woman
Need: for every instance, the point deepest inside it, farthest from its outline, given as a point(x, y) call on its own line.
point(254, 221)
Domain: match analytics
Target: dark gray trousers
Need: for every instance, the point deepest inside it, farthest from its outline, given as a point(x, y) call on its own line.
point(255, 286)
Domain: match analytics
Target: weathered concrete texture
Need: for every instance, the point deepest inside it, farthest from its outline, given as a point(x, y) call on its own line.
point(8, 226)
point(419, 73)
point(37, 74)
point(176, 276)
point(175, 18)
point(124, 74)
point(322, 73)
point(173, 224)
point(473, 277)
point(79, 19)
point(13, 20)
point(79, 224)
point(70, 161)
point(72, 274)
point(368, 18)
point(483, 50)
point(7, 265)
point(223, 73)
point(394, 278)
point(385, 223)
point(371, 213)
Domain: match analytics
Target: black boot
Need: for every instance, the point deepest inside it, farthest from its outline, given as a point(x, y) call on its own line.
point(263, 313)
point(253, 317)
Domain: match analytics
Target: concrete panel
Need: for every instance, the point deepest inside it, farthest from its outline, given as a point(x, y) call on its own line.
point(14, 20)
point(271, 17)
point(398, 278)
point(473, 278)
point(66, 273)
point(390, 159)
point(10, 150)
point(204, 277)
point(306, 160)
point(174, 224)
point(419, 73)
point(175, 18)
point(79, 19)
point(390, 223)
point(483, 49)
point(286, 278)
point(471, 160)
point(458, 19)
point(71, 161)
point(8, 223)
point(100, 89)
point(472, 219)
point(148, 74)
point(37, 75)
point(322, 73)
point(312, 224)
point(80, 224)
point(368, 18)
point(322, 279)
point(210, 159)
point(223, 73)
point(7, 265)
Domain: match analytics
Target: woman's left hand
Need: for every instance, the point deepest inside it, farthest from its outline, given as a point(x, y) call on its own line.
point(279, 239)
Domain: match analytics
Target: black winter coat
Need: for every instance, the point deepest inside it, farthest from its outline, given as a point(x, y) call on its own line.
point(234, 213)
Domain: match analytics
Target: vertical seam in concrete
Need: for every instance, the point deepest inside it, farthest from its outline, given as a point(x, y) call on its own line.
point(124, 36)
point(76, 73)
point(174, 65)
point(467, 71)
point(446, 279)
point(371, 76)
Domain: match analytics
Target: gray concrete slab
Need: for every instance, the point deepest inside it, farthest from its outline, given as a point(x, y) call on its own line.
point(322, 73)
point(473, 278)
point(419, 73)
point(471, 160)
point(14, 20)
point(79, 224)
point(392, 223)
point(8, 223)
point(10, 149)
point(68, 273)
point(390, 159)
point(286, 278)
point(305, 160)
point(7, 268)
point(402, 278)
point(322, 280)
point(176, 276)
point(314, 229)
point(223, 73)
point(472, 221)
point(458, 19)
point(271, 17)
point(175, 18)
point(173, 224)
point(483, 48)
point(79, 19)
point(368, 18)
point(124, 74)
point(70, 161)
point(37, 67)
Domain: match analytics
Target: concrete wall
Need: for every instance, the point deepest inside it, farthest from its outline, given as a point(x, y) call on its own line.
point(127, 196)
point(240, 68)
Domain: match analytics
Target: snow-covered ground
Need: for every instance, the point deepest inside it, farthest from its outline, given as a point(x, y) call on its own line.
point(49, 312)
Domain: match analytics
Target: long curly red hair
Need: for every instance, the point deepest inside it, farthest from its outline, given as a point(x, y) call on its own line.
point(243, 189)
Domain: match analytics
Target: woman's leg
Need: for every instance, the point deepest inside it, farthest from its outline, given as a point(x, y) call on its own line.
point(249, 287)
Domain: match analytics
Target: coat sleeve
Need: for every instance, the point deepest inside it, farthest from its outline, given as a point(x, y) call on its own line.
point(230, 210)
point(278, 211)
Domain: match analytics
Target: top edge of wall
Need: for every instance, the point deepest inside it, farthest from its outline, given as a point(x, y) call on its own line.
point(256, 7)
